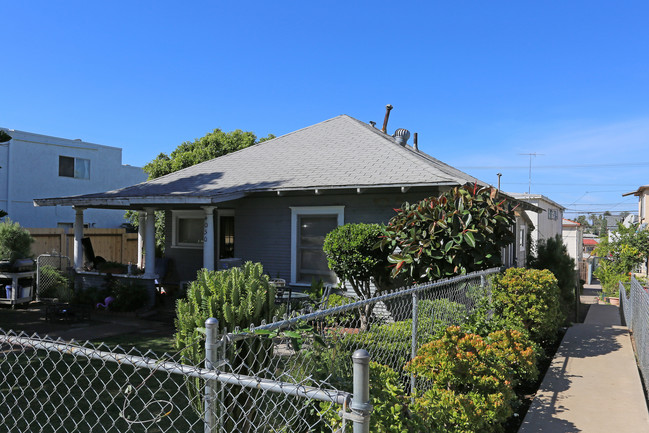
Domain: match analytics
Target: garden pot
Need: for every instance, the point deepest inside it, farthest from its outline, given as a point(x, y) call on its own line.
point(614, 301)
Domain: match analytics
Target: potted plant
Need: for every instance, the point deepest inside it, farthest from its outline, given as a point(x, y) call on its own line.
point(15, 241)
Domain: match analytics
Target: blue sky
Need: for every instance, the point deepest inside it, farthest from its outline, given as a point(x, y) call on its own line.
point(483, 83)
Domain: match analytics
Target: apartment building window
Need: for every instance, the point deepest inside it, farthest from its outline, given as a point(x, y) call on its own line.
point(77, 168)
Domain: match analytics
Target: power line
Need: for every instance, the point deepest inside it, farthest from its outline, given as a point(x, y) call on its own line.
point(613, 164)
point(576, 184)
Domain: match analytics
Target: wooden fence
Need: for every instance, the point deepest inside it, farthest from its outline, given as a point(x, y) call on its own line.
point(115, 245)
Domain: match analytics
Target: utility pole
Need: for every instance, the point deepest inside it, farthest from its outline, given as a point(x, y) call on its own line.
point(499, 175)
point(529, 185)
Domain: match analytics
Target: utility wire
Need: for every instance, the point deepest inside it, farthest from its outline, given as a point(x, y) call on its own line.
point(612, 164)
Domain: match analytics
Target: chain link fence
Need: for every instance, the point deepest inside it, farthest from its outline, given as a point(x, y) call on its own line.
point(50, 268)
point(391, 327)
point(635, 311)
point(307, 373)
point(58, 386)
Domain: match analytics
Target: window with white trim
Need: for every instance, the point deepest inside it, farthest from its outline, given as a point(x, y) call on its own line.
point(188, 229)
point(309, 226)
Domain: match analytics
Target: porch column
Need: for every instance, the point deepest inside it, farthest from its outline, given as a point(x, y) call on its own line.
point(149, 244)
point(208, 239)
point(78, 236)
point(140, 240)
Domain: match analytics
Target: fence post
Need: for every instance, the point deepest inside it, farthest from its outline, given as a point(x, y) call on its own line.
point(413, 343)
point(211, 358)
point(361, 400)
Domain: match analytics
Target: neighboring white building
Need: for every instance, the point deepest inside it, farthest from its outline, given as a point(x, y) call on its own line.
point(573, 239)
point(37, 166)
point(547, 224)
point(643, 202)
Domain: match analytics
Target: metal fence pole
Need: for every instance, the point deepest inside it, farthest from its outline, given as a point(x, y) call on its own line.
point(211, 359)
point(415, 325)
point(361, 405)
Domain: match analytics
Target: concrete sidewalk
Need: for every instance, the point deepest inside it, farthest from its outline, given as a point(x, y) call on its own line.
point(593, 384)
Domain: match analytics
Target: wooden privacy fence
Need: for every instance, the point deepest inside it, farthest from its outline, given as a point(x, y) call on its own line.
point(115, 245)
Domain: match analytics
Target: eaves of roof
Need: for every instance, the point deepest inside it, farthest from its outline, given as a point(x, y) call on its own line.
point(338, 154)
point(638, 192)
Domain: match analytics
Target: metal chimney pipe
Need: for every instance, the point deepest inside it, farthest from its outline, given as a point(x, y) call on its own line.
point(387, 116)
point(415, 143)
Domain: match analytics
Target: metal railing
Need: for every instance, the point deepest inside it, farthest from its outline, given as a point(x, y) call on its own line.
point(635, 310)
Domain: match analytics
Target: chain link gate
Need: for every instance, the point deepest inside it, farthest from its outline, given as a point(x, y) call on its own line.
point(49, 270)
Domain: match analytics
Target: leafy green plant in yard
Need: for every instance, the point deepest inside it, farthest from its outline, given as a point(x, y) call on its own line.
point(129, 296)
point(627, 248)
point(237, 297)
point(461, 231)
point(15, 241)
point(470, 379)
point(529, 298)
point(351, 255)
point(389, 401)
point(52, 281)
point(552, 254)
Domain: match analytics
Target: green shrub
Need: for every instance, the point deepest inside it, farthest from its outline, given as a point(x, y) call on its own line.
point(391, 343)
point(92, 295)
point(529, 298)
point(237, 297)
point(15, 241)
point(351, 255)
point(461, 231)
point(348, 319)
point(51, 282)
point(470, 380)
point(129, 296)
point(552, 254)
point(389, 401)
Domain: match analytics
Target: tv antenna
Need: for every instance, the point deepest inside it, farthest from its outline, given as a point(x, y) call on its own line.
point(529, 184)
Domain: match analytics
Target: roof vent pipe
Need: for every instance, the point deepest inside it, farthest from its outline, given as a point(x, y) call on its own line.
point(401, 136)
point(387, 116)
point(415, 142)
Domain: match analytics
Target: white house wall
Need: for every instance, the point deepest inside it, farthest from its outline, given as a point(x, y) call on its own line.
point(30, 169)
point(547, 224)
point(573, 240)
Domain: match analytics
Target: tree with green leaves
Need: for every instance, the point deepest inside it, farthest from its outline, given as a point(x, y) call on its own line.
point(552, 254)
point(212, 145)
point(623, 251)
point(461, 231)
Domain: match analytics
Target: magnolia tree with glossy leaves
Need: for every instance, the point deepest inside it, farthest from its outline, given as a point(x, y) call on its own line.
point(461, 231)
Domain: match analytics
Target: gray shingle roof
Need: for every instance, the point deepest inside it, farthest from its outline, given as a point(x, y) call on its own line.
point(341, 152)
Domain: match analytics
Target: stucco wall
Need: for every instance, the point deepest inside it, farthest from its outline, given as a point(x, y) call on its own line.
point(572, 239)
point(30, 169)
